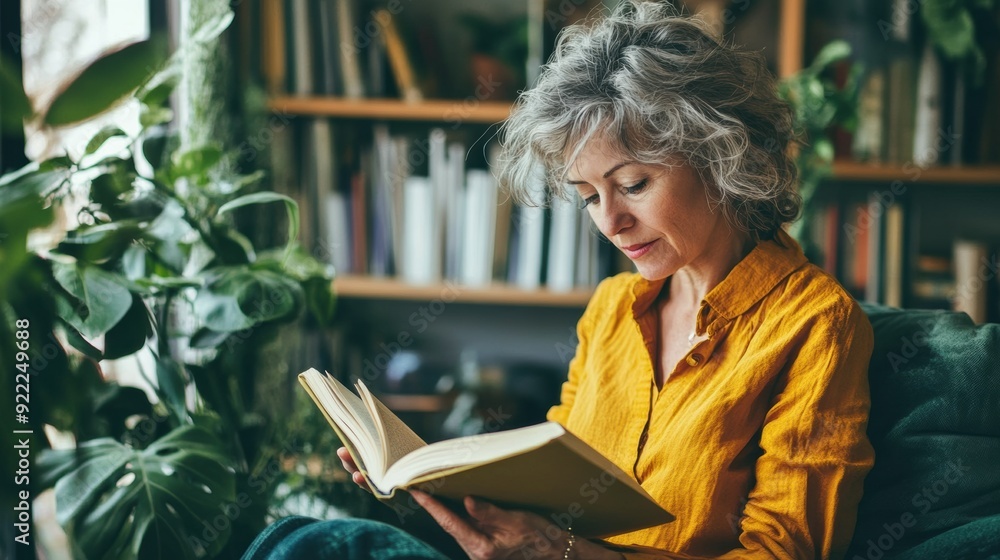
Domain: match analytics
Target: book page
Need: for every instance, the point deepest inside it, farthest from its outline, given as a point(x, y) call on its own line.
point(396, 437)
point(351, 415)
point(470, 450)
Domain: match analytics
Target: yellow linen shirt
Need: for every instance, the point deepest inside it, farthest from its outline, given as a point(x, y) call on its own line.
point(756, 442)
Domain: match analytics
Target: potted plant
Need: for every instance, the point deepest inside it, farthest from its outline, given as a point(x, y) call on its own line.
point(156, 268)
point(819, 106)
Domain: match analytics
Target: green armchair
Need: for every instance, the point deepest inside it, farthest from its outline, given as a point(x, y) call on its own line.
point(934, 491)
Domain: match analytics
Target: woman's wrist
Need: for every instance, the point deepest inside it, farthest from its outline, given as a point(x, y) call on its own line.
point(584, 549)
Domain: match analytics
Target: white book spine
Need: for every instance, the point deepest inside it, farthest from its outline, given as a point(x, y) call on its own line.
point(562, 245)
point(454, 209)
point(480, 215)
point(531, 233)
point(418, 239)
point(970, 258)
point(928, 113)
point(338, 237)
point(437, 169)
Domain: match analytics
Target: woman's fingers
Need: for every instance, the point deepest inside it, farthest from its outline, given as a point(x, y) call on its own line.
point(472, 541)
point(348, 462)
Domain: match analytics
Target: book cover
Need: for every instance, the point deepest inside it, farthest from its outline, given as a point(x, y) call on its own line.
point(542, 468)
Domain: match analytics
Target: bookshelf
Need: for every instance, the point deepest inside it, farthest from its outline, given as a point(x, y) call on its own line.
point(943, 177)
point(389, 299)
point(432, 110)
point(365, 287)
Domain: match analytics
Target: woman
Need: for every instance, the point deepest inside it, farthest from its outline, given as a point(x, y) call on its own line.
point(729, 375)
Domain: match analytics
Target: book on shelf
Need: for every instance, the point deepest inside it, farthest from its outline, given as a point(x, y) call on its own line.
point(478, 240)
point(301, 51)
point(563, 241)
point(399, 58)
point(345, 50)
point(893, 254)
point(542, 468)
point(928, 117)
point(971, 259)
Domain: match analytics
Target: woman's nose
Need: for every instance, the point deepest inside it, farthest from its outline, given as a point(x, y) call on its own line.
point(611, 217)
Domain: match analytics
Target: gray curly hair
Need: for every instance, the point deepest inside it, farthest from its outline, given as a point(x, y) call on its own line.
point(659, 86)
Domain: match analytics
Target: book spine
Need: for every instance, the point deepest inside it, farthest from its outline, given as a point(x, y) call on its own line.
point(562, 243)
point(418, 240)
point(894, 223)
point(970, 294)
point(347, 50)
point(402, 68)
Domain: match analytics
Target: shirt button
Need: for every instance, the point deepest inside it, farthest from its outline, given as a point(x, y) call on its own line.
point(694, 359)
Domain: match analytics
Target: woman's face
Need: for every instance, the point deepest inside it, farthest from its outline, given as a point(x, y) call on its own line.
point(659, 216)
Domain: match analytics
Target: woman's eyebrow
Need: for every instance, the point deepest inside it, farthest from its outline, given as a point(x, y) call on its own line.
point(606, 173)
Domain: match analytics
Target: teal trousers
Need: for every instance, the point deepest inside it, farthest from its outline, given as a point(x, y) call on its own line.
point(297, 538)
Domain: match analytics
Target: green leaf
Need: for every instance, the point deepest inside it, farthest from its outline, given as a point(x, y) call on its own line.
point(316, 279)
point(105, 189)
point(210, 30)
point(152, 116)
point(104, 82)
point(16, 106)
point(262, 198)
point(236, 298)
point(955, 35)
point(207, 338)
point(320, 301)
point(157, 90)
point(129, 335)
point(77, 341)
point(102, 136)
point(171, 384)
point(103, 297)
point(118, 502)
point(100, 243)
point(34, 182)
point(230, 246)
point(156, 142)
point(195, 162)
point(830, 53)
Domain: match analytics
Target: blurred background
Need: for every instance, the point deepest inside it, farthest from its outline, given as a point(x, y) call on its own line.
point(202, 199)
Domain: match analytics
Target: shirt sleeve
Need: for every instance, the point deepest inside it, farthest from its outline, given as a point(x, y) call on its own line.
point(578, 364)
point(815, 451)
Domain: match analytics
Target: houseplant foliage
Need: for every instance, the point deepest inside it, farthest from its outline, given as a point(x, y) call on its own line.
point(819, 105)
point(156, 268)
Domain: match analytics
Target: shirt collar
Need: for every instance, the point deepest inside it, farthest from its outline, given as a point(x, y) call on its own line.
point(770, 262)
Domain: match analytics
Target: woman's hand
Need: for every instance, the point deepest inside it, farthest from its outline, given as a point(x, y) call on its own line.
point(348, 462)
point(494, 533)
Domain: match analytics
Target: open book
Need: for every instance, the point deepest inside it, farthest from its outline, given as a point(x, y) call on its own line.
point(541, 468)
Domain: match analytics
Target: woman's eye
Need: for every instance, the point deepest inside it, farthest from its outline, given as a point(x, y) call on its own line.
point(637, 188)
point(593, 199)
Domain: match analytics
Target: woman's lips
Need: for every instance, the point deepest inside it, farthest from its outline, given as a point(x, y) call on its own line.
point(636, 251)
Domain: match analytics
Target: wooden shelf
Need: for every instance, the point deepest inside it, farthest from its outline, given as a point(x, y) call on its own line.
point(445, 110)
point(973, 175)
point(364, 287)
point(417, 403)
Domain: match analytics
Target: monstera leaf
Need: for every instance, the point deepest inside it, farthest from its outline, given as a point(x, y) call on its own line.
point(169, 500)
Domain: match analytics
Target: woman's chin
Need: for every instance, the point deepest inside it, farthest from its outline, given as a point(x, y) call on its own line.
point(652, 271)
